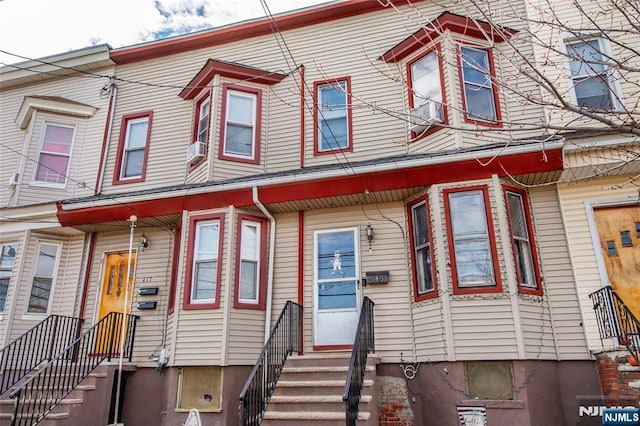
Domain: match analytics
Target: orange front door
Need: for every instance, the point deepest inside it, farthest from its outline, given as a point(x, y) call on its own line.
point(619, 232)
point(113, 299)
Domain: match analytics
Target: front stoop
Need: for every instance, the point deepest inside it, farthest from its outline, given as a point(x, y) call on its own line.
point(60, 415)
point(309, 392)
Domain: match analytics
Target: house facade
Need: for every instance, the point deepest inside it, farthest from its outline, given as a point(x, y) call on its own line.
point(249, 165)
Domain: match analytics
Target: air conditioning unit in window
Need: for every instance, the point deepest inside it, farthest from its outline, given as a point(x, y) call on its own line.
point(424, 116)
point(195, 152)
point(13, 180)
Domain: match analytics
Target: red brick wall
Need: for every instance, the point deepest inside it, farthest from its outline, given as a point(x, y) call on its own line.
point(615, 374)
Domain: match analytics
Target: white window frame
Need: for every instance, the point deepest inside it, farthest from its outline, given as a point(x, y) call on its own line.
point(6, 272)
point(487, 85)
point(485, 236)
point(254, 101)
point(202, 121)
point(41, 143)
point(126, 149)
point(418, 98)
point(197, 259)
point(325, 112)
point(522, 257)
point(253, 258)
point(421, 278)
point(53, 278)
point(613, 77)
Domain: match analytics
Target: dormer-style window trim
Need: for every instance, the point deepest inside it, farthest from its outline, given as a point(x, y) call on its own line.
point(230, 70)
point(55, 104)
point(458, 24)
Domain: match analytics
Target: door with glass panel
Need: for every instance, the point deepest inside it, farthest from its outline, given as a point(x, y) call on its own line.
point(336, 291)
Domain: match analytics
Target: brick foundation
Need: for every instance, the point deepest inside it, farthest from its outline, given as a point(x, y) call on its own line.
point(615, 376)
point(394, 408)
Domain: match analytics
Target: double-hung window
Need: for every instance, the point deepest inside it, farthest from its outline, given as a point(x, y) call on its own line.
point(202, 120)
point(480, 97)
point(523, 246)
point(54, 154)
point(422, 252)
point(7, 259)
point(591, 75)
point(333, 116)
point(426, 97)
point(203, 275)
point(471, 241)
point(241, 120)
point(249, 269)
point(133, 147)
point(43, 278)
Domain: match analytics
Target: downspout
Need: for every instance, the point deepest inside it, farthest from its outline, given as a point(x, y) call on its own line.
point(272, 250)
point(106, 137)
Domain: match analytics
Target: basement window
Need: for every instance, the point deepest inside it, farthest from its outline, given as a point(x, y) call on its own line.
point(201, 388)
point(490, 379)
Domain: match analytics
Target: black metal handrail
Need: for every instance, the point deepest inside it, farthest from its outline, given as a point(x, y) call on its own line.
point(285, 338)
point(41, 343)
point(48, 386)
point(615, 320)
point(362, 345)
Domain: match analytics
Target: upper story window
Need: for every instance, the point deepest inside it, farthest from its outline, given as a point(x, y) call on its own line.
point(592, 82)
point(7, 259)
point(250, 273)
point(43, 278)
point(480, 98)
point(54, 154)
point(202, 120)
point(133, 147)
point(202, 288)
point(333, 116)
point(424, 276)
point(472, 248)
point(199, 145)
point(426, 96)
point(241, 120)
point(524, 251)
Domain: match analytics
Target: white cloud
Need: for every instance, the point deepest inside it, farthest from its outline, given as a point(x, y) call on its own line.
point(38, 28)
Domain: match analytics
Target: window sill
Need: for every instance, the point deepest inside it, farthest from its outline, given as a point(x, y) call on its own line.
point(493, 403)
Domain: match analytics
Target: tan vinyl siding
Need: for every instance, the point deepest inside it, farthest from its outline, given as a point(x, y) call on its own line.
point(537, 329)
point(285, 280)
point(483, 329)
point(559, 285)
point(63, 296)
point(87, 144)
point(588, 277)
point(428, 320)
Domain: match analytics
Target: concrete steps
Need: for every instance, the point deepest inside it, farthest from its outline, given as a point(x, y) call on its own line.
point(309, 392)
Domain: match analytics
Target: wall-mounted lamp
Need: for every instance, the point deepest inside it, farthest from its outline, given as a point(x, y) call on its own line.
point(369, 236)
point(144, 241)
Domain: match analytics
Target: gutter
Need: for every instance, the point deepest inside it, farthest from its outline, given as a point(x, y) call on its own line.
point(107, 138)
point(272, 250)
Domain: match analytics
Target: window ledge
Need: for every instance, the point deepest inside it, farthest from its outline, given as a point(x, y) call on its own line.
point(493, 403)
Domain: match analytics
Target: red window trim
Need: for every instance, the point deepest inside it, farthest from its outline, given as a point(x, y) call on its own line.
point(117, 180)
point(433, 129)
point(194, 126)
point(532, 243)
point(262, 273)
point(494, 87)
point(258, 124)
point(492, 243)
point(430, 294)
point(193, 220)
point(316, 119)
point(175, 259)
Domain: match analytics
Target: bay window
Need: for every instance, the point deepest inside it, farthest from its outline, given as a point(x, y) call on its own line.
point(250, 271)
point(424, 277)
point(480, 99)
point(241, 124)
point(474, 265)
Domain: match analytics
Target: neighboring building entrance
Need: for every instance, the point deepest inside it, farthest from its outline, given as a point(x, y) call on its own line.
point(619, 233)
point(336, 293)
point(113, 293)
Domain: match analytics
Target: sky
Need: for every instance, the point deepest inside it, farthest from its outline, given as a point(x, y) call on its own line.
point(40, 28)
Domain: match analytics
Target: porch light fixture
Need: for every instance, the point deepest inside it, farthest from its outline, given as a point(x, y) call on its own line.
point(370, 238)
point(144, 241)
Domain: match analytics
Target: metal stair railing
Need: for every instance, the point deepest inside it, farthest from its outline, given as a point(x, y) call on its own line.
point(363, 344)
point(48, 386)
point(41, 343)
point(285, 338)
point(615, 320)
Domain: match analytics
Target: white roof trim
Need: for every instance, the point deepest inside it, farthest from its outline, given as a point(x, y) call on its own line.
point(31, 103)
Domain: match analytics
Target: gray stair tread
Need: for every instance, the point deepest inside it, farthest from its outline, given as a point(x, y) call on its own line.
point(317, 383)
point(312, 398)
point(311, 415)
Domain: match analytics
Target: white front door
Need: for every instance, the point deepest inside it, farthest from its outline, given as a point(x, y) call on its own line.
point(336, 293)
